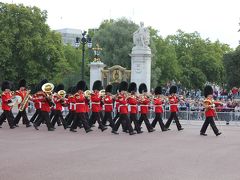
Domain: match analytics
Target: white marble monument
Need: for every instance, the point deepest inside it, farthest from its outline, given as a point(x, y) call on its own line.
point(95, 72)
point(141, 57)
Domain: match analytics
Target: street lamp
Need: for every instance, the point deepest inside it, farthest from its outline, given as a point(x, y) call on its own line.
point(85, 40)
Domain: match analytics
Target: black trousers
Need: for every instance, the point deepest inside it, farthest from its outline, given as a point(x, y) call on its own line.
point(9, 116)
point(23, 115)
point(133, 118)
point(58, 117)
point(158, 118)
point(52, 114)
point(80, 118)
point(144, 118)
point(116, 117)
point(123, 119)
point(173, 115)
point(108, 117)
point(35, 115)
point(70, 117)
point(44, 117)
point(96, 117)
point(209, 120)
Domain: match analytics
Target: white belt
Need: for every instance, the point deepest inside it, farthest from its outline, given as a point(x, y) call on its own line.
point(108, 104)
point(95, 102)
point(40, 105)
point(79, 103)
point(173, 104)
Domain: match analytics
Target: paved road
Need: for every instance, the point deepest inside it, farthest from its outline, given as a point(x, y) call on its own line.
point(27, 154)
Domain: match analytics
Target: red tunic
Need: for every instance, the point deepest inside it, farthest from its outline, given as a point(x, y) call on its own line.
point(36, 101)
point(44, 102)
point(173, 101)
point(108, 103)
point(144, 104)
point(158, 105)
point(95, 99)
point(71, 103)
point(123, 106)
point(23, 94)
point(132, 101)
point(57, 101)
point(209, 112)
point(5, 97)
point(80, 103)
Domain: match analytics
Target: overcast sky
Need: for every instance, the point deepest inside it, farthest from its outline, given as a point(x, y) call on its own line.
point(214, 19)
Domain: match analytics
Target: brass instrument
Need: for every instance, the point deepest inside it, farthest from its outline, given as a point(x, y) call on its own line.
point(102, 93)
point(87, 93)
point(62, 93)
point(25, 101)
point(48, 88)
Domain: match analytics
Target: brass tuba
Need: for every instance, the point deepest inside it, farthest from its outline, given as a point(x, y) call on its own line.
point(48, 88)
point(62, 93)
point(102, 93)
point(87, 93)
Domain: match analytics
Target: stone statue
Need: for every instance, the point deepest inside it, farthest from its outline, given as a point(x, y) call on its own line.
point(141, 37)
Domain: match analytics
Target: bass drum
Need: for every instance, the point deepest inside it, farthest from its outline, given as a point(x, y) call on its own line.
point(15, 100)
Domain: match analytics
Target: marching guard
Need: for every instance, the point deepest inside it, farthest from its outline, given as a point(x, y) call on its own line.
point(144, 106)
point(7, 96)
point(173, 101)
point(210, 113)
point(158, 109)
point(25, 95)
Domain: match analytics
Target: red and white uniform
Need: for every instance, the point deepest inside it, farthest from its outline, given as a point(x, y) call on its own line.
point(108, 103)
point(80, 102)
point(158, 105)
point(133, 103)
point(209, 112)
point(23, 94)
point(71, 103)
point(123, 105)
point(36, 101)
point(45, 106)
point(173, 101)
point(95, 99)
point(6, 96)
point(58, 102)
point(144, 104)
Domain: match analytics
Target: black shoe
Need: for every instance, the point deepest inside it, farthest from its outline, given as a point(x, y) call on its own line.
point(114, 132)
point(12, 127)
point(88, 130)
point(59, 124)
point(139, 132)
point(73, 130)
point(219, 133)
point(126, 131)
point(165, 129)
point(227, 123)
point(151, 130)
point(0, 126)
point(203, 134)
point(104, 128)
point(132, 133)
point(50, 129)
point(16, 125)
point(180, 129)
point(35, 126)
point(28, 125)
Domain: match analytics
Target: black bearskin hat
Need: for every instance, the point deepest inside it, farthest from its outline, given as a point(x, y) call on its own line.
point(69, 90)
point(158, 90)
point(109, 88)
point(5, 85)
point(39, 86)
point(74, 90)
point(81, 85)
point(142, 88)
point(86, 88)
point(22, 83)
point(123, 86)
point(208, 90)
point(97, 85)
point(132, 87)
point(173, 89)
point(59, 87)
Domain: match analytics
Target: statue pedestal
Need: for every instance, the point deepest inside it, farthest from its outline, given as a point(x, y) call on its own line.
point(141, 66)
point(95, 72)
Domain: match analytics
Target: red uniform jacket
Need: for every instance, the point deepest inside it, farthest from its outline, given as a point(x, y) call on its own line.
point(173, 101)
point(58, 102)
point(44, 102)
point(23, 94)
point(209, 112)
point(108, 103)
point(36, 101)
point(144, 104)
point(80, 103)
point(95, 99)
point(71, 103)
point(5, 97)
point(123, 106)
point(158, 105)
point(87, 105)
point(132, 101)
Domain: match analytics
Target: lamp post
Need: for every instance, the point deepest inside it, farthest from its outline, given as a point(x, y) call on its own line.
point(86, 39)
